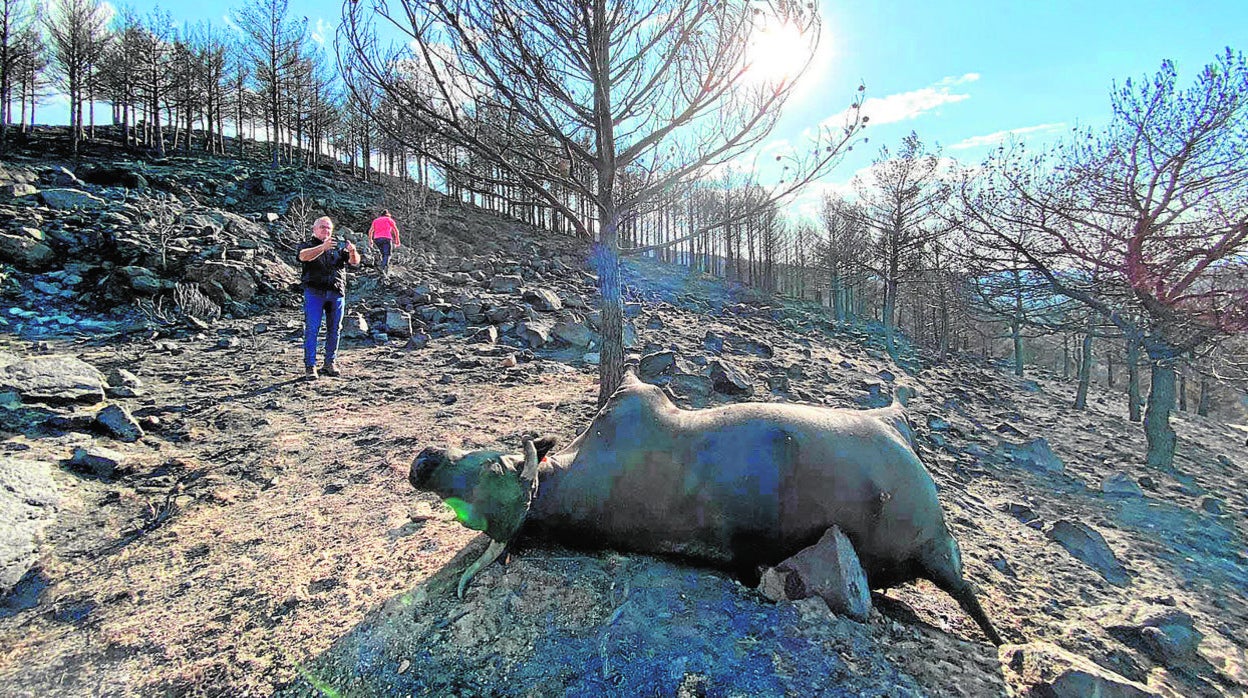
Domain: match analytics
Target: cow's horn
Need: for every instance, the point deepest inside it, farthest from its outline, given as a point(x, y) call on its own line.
point(490, 555)
point(529, 473)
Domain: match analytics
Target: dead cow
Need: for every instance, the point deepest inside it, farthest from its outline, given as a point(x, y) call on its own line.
point(736, 486)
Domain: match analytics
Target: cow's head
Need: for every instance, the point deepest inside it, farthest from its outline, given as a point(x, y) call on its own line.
point(489, 491)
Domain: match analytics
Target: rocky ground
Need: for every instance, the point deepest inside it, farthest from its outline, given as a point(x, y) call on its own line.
point(190, 518)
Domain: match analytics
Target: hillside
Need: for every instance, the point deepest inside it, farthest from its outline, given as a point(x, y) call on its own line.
point(197, 520)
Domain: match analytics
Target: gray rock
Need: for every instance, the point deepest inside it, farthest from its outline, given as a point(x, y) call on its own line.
point(1166, 634)
point(62, 177)
point(1088, 545)
point(26, 253)
point(28, 505)
point(694, 388)
point(874, 394)
point(117, 422)
point(97, 460)
point(713, 343)
point(1121, 484)
point(1045, 669)
point(543, 299)
point(1212, 505)
point(354, 326)
point(1023, 513)
point(106, 176)
point(67, 199)
point(398, 323)
point(1007, 429)
point(574, 333)
point(1035, 455)
point(779, 383)
point(17, 190)
point(486, 335)
point(506, 283)
point(232, 277)
point(729, 380)
point(828, 569)
point(120, 377)
point(53, 379)
point(419, 340)
point(142, 280)
point(535, 333)
point(631, 340)
point(656, 364)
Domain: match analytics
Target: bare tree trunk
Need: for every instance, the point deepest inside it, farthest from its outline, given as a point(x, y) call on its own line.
point(1183, 391)
point(1066, 356)
point(1109, 368)
point(1203, 405)
point(1133, 379)
point(944, 324)
point(1085, 370)
point(1157, 428)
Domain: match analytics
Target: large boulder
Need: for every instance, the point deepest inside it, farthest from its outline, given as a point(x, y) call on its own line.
point(656, 364)
point(142, 280)
point(17, 190)
point(543, 299)
point(1035, 455)
point(26, 253)
point(1044, 670)
point(112, 176)
point(67, 199)
point(1166, 634)
point(574, 333)
point(535, 333)
point(1089, 546)
point(398, 323)
point(231, 278)
point(28, 504)
point(117, 422)
point(730, 380)
point(828, 569)
point(506, 283)
point(53, 379)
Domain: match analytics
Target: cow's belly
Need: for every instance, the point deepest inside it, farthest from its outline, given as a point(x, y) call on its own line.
point(741, 494)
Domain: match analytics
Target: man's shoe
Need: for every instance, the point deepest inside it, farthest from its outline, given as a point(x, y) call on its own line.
point(309, 373)
point(330, 370)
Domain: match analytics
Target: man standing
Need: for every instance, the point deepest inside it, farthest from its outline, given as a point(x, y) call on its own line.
point(324, 292)
point(384, 232)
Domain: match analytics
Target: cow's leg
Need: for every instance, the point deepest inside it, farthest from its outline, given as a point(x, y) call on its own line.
point(942, 564)
point(490, 555)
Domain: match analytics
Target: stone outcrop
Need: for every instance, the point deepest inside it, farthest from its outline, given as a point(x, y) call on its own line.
point(28, 504)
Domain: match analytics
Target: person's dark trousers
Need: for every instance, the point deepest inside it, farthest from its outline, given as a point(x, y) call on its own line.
point(383, 246)
point(328, 305)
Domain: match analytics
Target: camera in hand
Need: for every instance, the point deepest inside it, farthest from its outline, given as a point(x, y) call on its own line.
point(342, 246)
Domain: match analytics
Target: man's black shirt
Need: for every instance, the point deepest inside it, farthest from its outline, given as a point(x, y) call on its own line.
point(327, 272)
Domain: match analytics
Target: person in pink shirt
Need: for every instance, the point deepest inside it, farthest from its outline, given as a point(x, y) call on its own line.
point(384, 234)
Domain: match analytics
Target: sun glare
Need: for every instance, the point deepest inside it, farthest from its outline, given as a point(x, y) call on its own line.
point(777, 53)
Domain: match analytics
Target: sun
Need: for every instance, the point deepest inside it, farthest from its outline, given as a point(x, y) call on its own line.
point(777, 53)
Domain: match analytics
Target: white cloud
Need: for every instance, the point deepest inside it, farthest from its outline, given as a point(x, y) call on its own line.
point(1000, 136)
point(321, 31)
point(905, 106)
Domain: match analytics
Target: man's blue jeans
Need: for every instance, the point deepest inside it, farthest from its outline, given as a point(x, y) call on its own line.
point(317, 305)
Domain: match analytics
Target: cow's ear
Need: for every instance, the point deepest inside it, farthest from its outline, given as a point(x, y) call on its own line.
point(544, 445)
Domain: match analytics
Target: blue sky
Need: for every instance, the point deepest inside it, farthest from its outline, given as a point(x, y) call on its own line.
point(959, 74)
